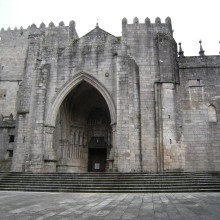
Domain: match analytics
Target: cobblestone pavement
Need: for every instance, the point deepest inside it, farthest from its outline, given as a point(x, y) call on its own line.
point(95, 206)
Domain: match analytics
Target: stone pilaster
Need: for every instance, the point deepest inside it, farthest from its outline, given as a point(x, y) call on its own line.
point(49, 153)
point(111, 159)
point(123, 151)
point(18, 163)
point(166, 127)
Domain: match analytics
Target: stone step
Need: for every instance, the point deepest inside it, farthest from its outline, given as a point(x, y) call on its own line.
point(111, 182)
point(115, 190)
point(110, 174)
point(94, 181)
point(106, 175)
point(110, 177)
point(110, 186)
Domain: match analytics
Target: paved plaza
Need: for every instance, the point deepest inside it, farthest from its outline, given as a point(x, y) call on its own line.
point(95, 206)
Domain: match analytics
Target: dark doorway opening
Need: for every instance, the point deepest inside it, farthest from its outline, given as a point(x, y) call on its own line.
point(97, 160)
point(97, 155)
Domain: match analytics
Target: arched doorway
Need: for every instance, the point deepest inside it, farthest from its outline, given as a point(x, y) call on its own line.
point(82, 136)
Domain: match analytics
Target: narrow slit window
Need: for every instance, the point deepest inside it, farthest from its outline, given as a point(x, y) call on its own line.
point(11, 138)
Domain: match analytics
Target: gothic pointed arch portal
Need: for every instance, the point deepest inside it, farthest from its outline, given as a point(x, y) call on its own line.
point(69, 86)
point(82, 114)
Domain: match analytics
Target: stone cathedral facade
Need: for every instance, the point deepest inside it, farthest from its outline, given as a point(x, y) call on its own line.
point(102, 103)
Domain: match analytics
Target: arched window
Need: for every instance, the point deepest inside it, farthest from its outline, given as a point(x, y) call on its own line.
point(212, 114)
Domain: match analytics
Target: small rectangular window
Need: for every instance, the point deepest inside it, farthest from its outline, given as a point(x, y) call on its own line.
point(11, 138)
point(10, 153)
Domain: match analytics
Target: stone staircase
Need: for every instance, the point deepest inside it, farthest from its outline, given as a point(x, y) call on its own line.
point(111, 182)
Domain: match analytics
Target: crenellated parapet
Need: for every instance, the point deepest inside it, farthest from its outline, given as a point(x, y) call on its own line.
point(157, 26)
point(21, 33)
point(34, 26)
point(15, 33)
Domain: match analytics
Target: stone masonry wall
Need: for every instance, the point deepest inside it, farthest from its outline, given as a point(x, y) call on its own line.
point(200, 89)
point(13, 46)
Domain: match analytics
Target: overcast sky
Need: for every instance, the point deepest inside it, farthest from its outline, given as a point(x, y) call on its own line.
point(192, 20)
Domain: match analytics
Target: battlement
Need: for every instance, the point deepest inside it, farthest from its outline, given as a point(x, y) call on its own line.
point(33, 29)
point(51, 25)
point(147, 25)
